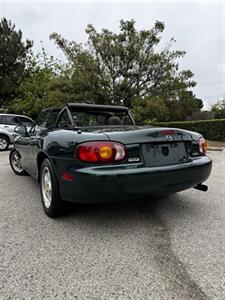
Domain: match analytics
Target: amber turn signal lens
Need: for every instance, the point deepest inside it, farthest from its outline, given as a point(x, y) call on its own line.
point(105, 152)
point(206, 146)
point(202, 146)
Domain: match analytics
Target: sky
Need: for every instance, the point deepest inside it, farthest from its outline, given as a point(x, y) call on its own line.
point(197, 26)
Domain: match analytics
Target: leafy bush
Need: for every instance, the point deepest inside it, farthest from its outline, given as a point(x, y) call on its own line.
point(213, 130)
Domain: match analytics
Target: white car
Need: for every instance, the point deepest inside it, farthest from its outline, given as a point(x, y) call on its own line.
point(8, 122)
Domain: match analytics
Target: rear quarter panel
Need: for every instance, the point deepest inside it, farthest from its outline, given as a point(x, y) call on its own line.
point(59, 146)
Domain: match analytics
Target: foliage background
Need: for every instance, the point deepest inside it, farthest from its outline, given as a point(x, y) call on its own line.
point(128, 68)
point(213, 130)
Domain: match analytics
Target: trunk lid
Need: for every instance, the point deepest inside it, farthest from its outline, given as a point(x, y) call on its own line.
point(140, 135)
point(152, 145)
point(143, 134)
point(158, 146)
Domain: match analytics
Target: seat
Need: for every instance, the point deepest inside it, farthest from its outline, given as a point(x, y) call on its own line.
point(113, 121)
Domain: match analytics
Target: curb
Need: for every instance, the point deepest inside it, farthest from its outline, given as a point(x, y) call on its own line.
point(216, 149)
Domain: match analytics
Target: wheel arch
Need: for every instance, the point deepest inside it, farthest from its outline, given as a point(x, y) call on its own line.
point(40, 158)
point(6, 136)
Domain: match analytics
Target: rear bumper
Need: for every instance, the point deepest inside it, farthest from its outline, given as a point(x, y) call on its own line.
point(114, 183)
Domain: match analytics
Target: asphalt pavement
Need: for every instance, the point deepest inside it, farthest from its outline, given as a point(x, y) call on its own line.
point(171, 248)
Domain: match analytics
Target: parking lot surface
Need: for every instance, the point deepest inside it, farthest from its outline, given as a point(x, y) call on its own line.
point(171, 248)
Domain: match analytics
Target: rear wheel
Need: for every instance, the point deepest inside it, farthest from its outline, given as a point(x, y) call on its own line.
point(4, 143)
point(52, 202)
point(14, 159)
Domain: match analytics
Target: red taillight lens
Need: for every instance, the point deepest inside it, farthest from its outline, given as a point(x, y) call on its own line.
point(100, 152)
point(202, 146)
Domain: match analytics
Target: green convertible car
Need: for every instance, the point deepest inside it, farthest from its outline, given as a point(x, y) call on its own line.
point(89, 153)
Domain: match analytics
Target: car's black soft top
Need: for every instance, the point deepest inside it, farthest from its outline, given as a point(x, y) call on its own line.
point(86, 106)
point(97, 106)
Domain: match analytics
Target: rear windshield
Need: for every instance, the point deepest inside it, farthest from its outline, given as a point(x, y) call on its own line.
point(83, 118)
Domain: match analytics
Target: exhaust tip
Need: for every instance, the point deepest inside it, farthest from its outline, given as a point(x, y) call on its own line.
point(201, 187)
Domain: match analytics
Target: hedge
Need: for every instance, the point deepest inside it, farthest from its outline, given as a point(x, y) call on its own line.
point(213, 130)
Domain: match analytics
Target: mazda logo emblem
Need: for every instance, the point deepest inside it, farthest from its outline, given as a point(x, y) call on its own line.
point(169, 138)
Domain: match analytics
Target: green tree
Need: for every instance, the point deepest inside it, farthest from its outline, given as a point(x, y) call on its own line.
point(127, 64)
point(13, 53)
point(182, 105)
point(81, 81)
point(162, 108)
point(37, 90)
point(219, 109)
point(150, 109)
point(112, 68)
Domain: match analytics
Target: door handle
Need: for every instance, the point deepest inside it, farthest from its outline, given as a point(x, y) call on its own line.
point(6, 126)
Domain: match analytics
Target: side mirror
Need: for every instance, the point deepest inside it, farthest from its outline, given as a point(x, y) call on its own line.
point(22, 130)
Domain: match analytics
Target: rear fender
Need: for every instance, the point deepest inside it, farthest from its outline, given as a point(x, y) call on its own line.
point(40, 158)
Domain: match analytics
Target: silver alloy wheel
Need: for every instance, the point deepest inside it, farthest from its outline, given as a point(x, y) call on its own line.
point(3, 143)
point(46, 187)
point(15, 160)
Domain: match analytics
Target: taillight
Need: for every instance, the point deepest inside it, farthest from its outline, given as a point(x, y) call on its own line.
point(101, 152)
point(202, 146)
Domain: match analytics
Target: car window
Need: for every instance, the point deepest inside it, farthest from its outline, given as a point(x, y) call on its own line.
point(64, 120)
point(3, 120)
point(99, 118)
point(10, 120)
point(45, 121)
point(41, 122)
point(25, 121)
point(51, 119)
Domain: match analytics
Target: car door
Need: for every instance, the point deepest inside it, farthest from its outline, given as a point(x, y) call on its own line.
point(9, 123)
point(25, 143)
point(24, 146)
point(29, 146)
point(3, 124)
point(44, 123)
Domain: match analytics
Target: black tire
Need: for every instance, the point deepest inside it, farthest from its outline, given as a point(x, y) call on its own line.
point(18, 170)
point(4, 142)
point(55, 206)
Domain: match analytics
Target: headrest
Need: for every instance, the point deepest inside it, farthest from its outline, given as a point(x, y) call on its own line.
point(113, 121)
